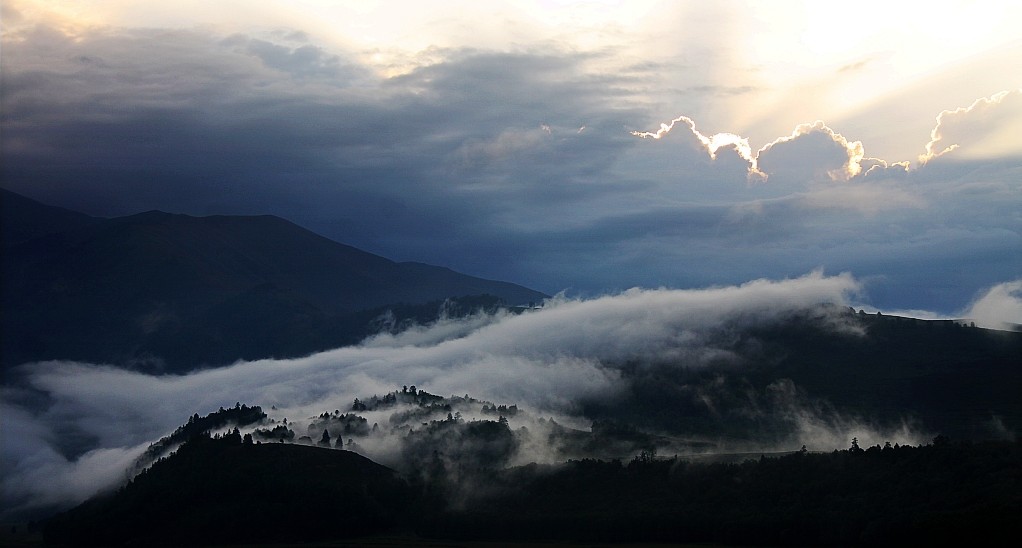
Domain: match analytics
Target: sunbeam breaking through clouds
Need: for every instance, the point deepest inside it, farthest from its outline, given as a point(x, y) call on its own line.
point(518, 141)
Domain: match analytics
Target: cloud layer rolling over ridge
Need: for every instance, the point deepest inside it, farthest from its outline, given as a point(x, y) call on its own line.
point(578, 147)
point(81, 424)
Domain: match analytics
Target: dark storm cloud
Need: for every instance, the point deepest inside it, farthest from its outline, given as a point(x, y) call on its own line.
point(812, 153)
point(303, 60)
point(189, 122)
point(516, 165)
point(924, 237)
point(683, 221)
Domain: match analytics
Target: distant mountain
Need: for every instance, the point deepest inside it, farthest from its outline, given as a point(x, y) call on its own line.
point(176, 291)
point(23, 218)
point(939, 376)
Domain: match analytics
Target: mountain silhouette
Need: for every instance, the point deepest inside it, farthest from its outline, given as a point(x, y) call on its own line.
point(160, 290)
point(22, 218)
point(213, 491)
point(225, 489)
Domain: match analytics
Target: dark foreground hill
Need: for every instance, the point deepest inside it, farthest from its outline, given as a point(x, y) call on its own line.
point(223, 491)
point(157, 290)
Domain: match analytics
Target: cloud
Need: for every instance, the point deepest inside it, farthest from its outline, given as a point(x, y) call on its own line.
point(813, 152)
point(876, 168)
point(858, 65)
point(818, 426)
point(709, 144)
point(870, 223)
point(867, 199)
point(300, 61)
point(85, 422)
point(472, 155)
point(472, 158)
point(724, 91)
point(1000, 307)
point(190, 121)
point(37, 474)
point(987, 128)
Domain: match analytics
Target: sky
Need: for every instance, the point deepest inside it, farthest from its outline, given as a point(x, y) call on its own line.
point(731, 160)
point(586, 147)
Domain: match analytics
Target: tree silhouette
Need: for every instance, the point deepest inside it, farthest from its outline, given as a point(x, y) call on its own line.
point(234, 436)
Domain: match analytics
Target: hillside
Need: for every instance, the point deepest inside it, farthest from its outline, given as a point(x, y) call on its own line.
point(215, 491)
point(173, 292)
point(22, 218)
point(935, 376)
point(222, 490)
point(456, 464)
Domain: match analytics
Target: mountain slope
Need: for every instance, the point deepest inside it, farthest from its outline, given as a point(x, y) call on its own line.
point(184, 291)
point(938, 376)
point(22, 218)
point(215, 492)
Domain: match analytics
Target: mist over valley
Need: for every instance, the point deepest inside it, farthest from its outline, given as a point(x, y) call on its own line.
point(586, 273)
point(706, 375)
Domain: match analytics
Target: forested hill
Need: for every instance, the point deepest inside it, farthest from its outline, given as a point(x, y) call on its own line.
point(935, 376)
point(452, 477)
point(158, 290)
point(224, 490)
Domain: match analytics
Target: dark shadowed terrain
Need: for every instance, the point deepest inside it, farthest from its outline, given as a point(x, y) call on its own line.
point(936, 376)
point(164, 292)
point(225, 491)
point(691, 435)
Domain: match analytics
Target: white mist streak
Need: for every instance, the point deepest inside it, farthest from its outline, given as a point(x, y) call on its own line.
point(545, 360)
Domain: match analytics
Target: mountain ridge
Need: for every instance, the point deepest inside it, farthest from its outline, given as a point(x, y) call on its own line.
point(22, 218)
point(118, 290)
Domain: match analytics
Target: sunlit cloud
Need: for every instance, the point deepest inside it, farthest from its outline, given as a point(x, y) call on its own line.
point(711, 143)
point(847, 168)
point(876, 167)
point(475, 161)
point(987, 128)
point(496, 138)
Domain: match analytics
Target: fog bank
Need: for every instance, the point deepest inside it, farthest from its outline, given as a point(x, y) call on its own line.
point(70, 429)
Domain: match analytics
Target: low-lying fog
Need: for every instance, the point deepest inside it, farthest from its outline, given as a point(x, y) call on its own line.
point(72, 429)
